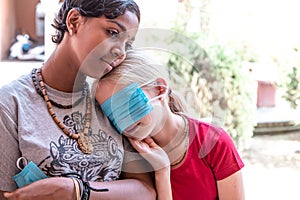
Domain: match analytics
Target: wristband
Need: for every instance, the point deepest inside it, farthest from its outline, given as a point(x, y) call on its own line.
point(82, 188)
point(76, 185)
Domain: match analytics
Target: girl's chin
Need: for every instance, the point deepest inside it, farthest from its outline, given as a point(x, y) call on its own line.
point(133, 136)
point(137, 132)
point(130, 129)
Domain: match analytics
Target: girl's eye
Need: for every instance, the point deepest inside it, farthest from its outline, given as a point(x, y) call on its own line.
point(113, 33)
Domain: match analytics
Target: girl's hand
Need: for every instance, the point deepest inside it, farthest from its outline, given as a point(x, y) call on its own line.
point(160, 162)
point(46, 189)
point(153, 153)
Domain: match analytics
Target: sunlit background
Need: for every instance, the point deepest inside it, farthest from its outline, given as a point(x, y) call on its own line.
point(265, 34)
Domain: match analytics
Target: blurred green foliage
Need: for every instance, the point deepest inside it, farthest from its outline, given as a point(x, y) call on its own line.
point(223, 89)
point(292, 88)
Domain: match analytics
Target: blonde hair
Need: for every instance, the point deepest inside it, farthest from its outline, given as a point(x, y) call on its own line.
point(141, 68)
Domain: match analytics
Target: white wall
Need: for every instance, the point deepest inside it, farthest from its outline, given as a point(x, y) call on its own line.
point(157, 13)
point(10, 71)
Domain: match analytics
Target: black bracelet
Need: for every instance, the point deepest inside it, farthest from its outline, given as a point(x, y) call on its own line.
point(86, 191)
point(84, 186)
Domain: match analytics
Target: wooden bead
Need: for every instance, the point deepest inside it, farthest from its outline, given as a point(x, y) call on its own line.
point(84, 142)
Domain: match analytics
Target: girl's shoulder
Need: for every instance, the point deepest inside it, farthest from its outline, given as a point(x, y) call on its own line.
point(18, 91)
point(204, 125)
point(21, 84)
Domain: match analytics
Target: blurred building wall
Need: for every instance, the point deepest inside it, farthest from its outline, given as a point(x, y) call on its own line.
point(25, 16)
point(17, 16)
point(7, 26)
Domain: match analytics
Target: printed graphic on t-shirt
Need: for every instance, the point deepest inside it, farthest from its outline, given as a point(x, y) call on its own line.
point(104, 164)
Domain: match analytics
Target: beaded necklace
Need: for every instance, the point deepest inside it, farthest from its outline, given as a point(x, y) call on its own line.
point(82, 138)
point(39, 91)
point(185, 139)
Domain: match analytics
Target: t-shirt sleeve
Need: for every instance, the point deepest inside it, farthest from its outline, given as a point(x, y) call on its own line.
point(9, 150)
point(224, 158)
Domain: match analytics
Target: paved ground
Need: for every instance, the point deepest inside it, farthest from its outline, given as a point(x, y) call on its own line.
point(273, 167)
point(272, 170)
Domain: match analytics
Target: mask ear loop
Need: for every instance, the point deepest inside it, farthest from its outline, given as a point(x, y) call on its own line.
point(161, 95)
point(150, 83)
point(23, 161)
point(153, 83)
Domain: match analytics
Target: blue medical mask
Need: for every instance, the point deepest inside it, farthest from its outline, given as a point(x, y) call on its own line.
point(127, 106)
point(30, 173)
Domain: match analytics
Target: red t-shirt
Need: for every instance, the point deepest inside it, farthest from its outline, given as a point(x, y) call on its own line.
point(211, 156)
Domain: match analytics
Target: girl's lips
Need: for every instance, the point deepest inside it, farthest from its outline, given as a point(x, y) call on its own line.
point(109, 66)
point(113, 64)
point(108, 69)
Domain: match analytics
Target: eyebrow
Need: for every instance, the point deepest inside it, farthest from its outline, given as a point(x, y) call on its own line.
point(118, 24)
point(121, 27)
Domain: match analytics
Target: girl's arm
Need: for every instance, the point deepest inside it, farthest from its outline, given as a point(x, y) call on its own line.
point(163, 184)
point(137, 186)
point(159, 160)
point(132, 186)
point(231, 188)
point(1, 195)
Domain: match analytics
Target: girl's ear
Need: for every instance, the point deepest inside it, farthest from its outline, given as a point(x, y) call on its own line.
point(162, 86)
point(73, 21)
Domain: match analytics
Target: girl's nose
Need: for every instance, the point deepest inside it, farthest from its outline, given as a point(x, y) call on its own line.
point(119, 55)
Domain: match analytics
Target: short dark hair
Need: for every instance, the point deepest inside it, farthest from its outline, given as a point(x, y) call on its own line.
point(91, 8)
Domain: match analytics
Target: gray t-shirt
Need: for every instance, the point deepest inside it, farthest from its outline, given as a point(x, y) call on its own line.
point(28, 130)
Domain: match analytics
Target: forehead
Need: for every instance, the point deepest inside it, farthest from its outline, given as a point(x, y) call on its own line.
point(129, 20)
point(107, 89)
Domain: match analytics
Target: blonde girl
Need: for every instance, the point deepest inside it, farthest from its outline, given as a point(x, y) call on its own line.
point(191, 159)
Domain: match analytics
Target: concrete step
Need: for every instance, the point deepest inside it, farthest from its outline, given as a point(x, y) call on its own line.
point(276, 120)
